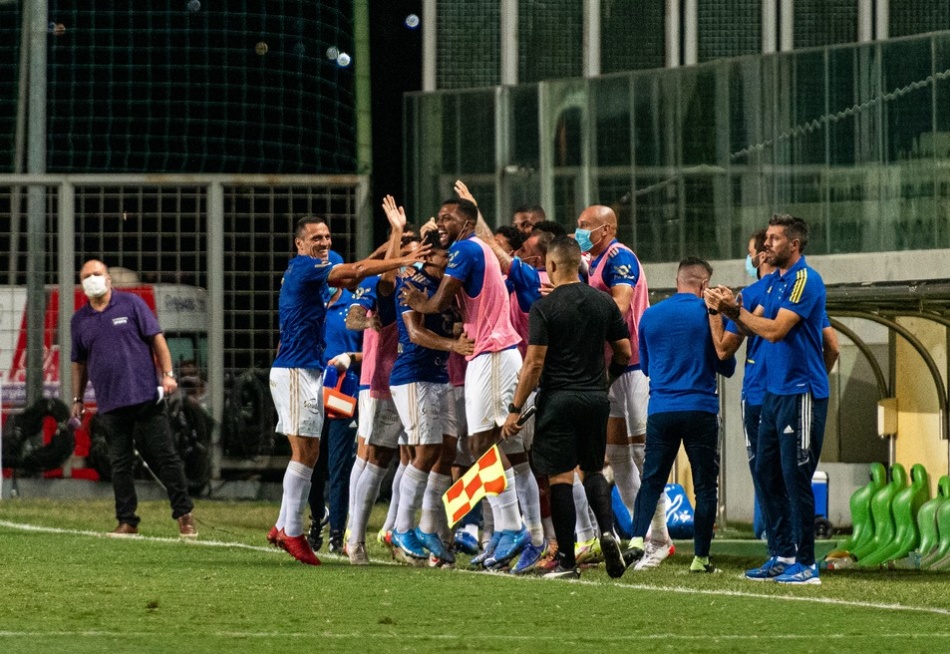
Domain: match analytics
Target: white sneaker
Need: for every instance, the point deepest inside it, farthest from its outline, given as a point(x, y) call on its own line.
point(357, 554)
point(654, 555)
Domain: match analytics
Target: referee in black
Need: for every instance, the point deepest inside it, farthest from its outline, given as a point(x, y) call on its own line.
point(567, 332)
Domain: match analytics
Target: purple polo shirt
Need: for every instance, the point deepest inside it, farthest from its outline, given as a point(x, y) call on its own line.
point(113, 344)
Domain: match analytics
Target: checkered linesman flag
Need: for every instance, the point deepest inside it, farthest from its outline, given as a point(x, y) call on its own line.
point(486, 477)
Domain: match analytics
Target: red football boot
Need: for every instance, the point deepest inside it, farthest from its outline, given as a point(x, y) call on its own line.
point(298, 547)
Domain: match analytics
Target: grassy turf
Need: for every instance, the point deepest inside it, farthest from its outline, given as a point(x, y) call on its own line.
point(79, 593)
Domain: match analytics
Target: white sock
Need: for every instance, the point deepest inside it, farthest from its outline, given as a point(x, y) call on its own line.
point(505, 506)
point(358, 467)
point(626, 475)
point(638, 450)
point(549, 534)
point(411, 488)
point(294, 500)
point(364, 496)
point(432, 507)
point(659, 533)
point(530, 500)
point(394, 501)
point(583, 525)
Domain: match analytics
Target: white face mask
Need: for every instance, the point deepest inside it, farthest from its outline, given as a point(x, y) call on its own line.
point(94, 286)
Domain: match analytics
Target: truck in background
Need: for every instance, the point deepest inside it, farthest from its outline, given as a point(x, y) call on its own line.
point(181, 310)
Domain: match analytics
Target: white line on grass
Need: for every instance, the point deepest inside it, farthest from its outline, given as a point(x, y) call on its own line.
point(152, 539)
point(468, 637)
point(519, 578)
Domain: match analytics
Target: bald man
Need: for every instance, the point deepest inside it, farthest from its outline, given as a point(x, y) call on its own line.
point(615, 269)
point(119, 346)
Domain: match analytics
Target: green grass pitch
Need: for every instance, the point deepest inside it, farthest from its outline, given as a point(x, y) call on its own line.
point(65, 589)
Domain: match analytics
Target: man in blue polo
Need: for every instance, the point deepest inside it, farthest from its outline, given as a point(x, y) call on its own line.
point(792, 423)
point(678, 355)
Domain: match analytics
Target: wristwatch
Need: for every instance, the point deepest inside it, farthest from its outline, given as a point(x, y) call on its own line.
point(514, 409)
point(170, 373)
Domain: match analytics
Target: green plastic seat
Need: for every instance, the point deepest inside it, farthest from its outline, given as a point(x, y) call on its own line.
point(904, 508)
point(881, 513)
point(862, 521)
point(940, 560)
point(927, 520)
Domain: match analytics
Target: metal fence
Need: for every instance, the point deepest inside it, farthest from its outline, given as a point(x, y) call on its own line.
point(209, 250)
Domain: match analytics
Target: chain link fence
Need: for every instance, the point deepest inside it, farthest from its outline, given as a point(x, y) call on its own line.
point(207, 252)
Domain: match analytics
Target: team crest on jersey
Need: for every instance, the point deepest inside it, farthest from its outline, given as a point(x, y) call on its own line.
point(360, 292)
point(623, 270)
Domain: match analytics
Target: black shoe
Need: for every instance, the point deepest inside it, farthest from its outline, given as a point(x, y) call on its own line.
point(613, 559)
point(315, 535)
point(631, 556)
point(336, 542)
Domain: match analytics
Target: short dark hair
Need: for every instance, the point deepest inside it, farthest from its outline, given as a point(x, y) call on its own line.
point(549, 227)
point(513, 234)
point(795, 228)
point(308, 220)
point(468, 209)
point(758, 240)
point(565, 250)
point(535, 209)
point(695, 262)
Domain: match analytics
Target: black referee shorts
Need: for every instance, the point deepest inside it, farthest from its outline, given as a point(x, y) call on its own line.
point(570, 431)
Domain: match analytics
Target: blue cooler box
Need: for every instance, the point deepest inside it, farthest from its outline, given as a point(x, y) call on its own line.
point(819, 487)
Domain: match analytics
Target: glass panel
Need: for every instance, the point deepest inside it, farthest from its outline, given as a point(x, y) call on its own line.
point(907, 187)
point(941, 142)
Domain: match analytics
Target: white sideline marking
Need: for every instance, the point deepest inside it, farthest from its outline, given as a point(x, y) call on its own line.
point(639, 587)
point(497, 637)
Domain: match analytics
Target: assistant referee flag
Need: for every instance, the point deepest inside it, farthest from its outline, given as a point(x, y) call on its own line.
point(486, 477)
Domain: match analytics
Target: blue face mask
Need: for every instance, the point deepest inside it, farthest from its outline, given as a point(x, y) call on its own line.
point(750, 267)
point(582, 236)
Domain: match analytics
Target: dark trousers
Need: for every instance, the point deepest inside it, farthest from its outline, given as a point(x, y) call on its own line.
point(751, 415)
point(698, 431)
point(337, 454)
point(143, 427)
point(791, 432)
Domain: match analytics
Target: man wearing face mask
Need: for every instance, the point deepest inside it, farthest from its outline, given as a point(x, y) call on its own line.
point(615, 269)
point(117, 344)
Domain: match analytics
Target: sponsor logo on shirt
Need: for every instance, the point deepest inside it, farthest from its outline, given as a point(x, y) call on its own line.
point(120, 321)
point(312, 405)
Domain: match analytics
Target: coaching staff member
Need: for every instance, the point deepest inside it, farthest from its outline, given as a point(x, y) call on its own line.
point(567, 331)
point(678, 355)
point(117, 344)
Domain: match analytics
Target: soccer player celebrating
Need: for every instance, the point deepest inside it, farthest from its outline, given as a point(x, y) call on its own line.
point(474, 276)
point(426, 406)
point(296, 377)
